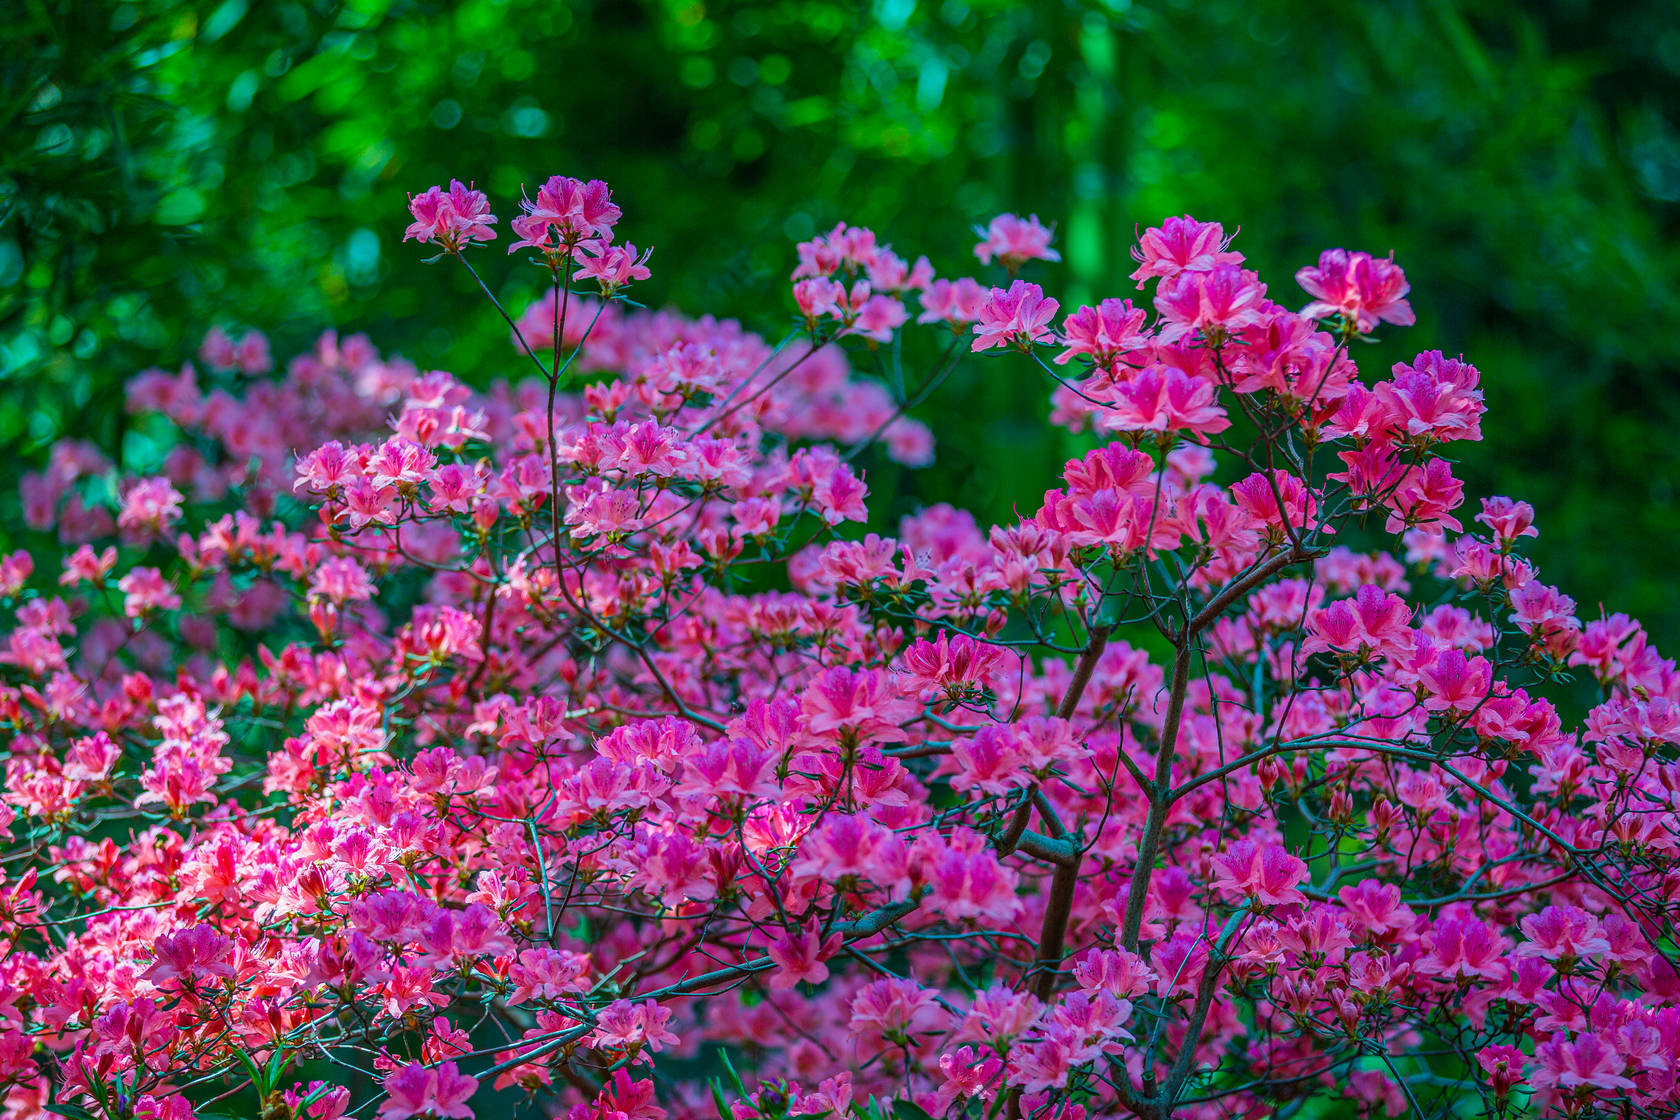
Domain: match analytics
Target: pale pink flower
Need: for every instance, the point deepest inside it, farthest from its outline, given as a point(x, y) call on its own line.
point(1014, 241)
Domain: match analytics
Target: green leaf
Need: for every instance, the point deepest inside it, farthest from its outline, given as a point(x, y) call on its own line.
point(729, 1068)
point(73, 1111)
point(277, 1063)
point(250, 1067)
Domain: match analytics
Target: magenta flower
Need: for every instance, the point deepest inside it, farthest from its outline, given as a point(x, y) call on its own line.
point(1266, 873)
point(612, 266)
point(1362, 289)
point(1181, 245)
point(1164, 399)
point(1562, 931)
point(1104, 333)
point(799, 957)
point(454, 219)
point(441, 1093)
point(1503, 1068)
point(1225, 298)
point(568, 211)
point(1018, 317)
point(193, 956)
point(1586, 1061)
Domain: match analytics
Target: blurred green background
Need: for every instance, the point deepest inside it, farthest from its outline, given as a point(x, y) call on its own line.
point(172, 165)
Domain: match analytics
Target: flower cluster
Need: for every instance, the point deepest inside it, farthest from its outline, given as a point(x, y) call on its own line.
point(410, 745)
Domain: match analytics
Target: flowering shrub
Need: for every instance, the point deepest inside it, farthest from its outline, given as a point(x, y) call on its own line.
point(385, 747)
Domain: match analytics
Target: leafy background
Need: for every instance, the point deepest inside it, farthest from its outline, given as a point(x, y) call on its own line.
point(171, 164)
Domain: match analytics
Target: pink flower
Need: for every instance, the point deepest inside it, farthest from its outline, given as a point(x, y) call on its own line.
point(1226, 298)
point(248, 355)
point(366, 504)
point(891, 273)
point(623, 1098)
point(818, 296)
point(860, 702)
point(251, 355)
point(1434, 400)
point(545, 973)
point(1014, 241)
point(833, 1097)
point(994, 760)
point(1259, 496)
point(849, 248)
point(326, 469)
point(965, 878)
point(570, 210)
point(1362, 289)
point(829, 485)
point(216, 351)
point(612, 266)
point(735, 768)
point(1376, 907)
point(895, 1008)
point(853, 845)
point(968, 1073)
point(1017, 317)
point(192, 956)
point(1427, 497)
point(1267, 873)
point(952, 301)
point(1181, 245)
point(150, 506)
point(326, 1102)
point(454, 219)
point(415, 1090)
point(1373, 620)
point(956, 665)
point(168, 1107)
point(1510, 520)
point(145, 590)
point(1587, 1061)
point(1562, 932)
point(1105, 332)
point(1455, 682)
point(400, 464)
point(1164, 399)
point(1502, 1067)
point(879, 316)
point(799, 956)
point(17, 567)
point(1460, 946)
point(638, 1028)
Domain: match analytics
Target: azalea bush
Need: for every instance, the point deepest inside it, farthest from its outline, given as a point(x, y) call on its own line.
point(382, 746)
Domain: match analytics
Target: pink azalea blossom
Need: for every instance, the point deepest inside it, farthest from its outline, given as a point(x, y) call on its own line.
point(415, 1090)
point(1017, 317)
point(1364, 290)
point(1015, 241)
